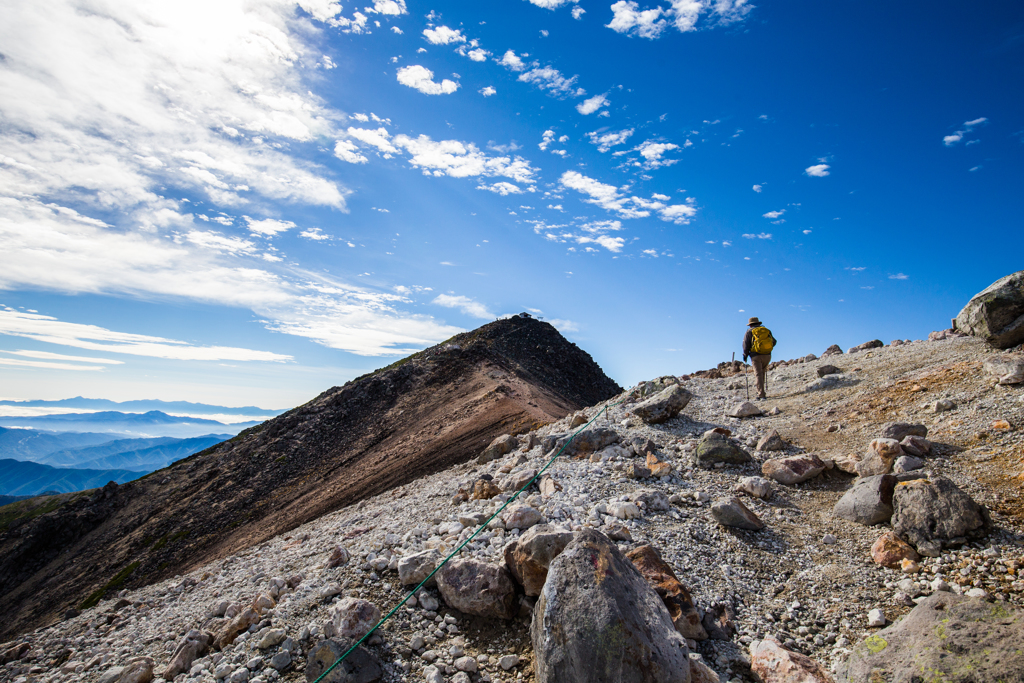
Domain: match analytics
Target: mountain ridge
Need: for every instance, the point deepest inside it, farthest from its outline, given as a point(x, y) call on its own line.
point(423, 413)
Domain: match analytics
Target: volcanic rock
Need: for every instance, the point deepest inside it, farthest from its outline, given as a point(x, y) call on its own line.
point(664, 405)
point(359, 667)
point(879, 459)
point(673, 593)
point(714, 448)
point(774, 664)
point(771, 442)
point(528, 557)
point(794, 469)
point(890, 551)
point(996, 314)
point(479, 588)
point(1008, 370)
point(732, 512)
point(901, 430)
point(413, 568)
point(933, 514)
point(594, 596)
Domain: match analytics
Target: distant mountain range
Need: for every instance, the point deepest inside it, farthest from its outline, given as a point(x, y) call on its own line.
point(150, 424)
point(19, 478)
point(80, 403)
point(140, 455)
point(32, 444)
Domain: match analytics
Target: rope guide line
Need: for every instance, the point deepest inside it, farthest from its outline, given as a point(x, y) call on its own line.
point(463, 544)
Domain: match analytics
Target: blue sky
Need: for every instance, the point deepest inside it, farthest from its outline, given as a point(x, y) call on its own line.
point(248, 203)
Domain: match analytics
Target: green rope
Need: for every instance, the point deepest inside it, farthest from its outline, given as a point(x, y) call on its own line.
point(462, 545)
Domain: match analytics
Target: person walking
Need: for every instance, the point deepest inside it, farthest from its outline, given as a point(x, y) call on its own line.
point(758, 343)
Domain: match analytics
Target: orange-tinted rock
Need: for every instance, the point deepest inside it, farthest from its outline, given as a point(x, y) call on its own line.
point(484, 490)
point(657, 467)
point(890, 551)
point(671, 590)
point(774, 664)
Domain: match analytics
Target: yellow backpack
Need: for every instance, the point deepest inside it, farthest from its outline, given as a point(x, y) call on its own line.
point(763, 342)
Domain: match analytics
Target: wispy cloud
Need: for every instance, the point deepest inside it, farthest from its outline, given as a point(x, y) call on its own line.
point(958, 136)
point(605, 141)
point(610, 198)
point(684, 15)
point(464, 304)
point(589, 106)
point(899, 276)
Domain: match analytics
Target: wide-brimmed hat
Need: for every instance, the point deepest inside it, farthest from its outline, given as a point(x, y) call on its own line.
point(753, 321)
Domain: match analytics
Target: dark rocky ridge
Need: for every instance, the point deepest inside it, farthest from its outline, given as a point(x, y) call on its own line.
point(431, 410)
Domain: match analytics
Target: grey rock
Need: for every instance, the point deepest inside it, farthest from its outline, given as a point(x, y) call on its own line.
point(589, 441)
point(522, 517)
point(354, 617)
point(517, 480)
point(827, 382)
point(758, 487)
point(873, 344)
point(414, 568)
point(901, 430)
point(732, 512)
point(794, 469)
point(281, 660)
point(932, 514)
point(193, 645)
point(111, 675)
point(642, 446)
point(714, 448)
point(952, 638)
point(497, 448)
point(828, 370)
point(529, 556)
point(869, 500)
point(635, 470)
point(479, 588)
point(907, 463)
point(138, 670)
point(881, 456)
point(664, 405)
point(917, 446)
point(271, 638)
point(1009, 370)
point(996, 314)
point(744, 409)
point(653, 500)
point(718, 622)
point(771, 441)
point(595, 596)
point(834, 350)
point(361, 666)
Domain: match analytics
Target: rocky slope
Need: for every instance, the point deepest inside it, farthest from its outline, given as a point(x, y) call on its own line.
point(432, 410)
point(806, 577)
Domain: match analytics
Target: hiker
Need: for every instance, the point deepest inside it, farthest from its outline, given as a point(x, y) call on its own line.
point(758, 343)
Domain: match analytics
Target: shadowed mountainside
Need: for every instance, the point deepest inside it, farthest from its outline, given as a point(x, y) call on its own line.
point(426, 412)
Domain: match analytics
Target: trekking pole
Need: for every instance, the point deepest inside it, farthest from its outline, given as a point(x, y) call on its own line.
point(746, 380)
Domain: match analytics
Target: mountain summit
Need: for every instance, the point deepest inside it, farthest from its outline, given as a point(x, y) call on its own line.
point(438, 407)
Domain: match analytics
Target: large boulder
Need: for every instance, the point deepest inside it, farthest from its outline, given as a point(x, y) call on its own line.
point(774, 664)
point(890, 550)
point(193, 645)
point(479, 588)
point(873, 344)
point(522, 517)
point(1009, 370)
point(361, 666)
point(744, 409)
point(996, 314)
point(138, 670)
point(673, 593)
point(414, 568)
point(869, 500)
point(664, 405)
point(932, 514)
point(528, 557)
point(794, 469)
point(588, 441)
point(228, 632)
point(714, 448)
point(599, 621)
point(947, 637)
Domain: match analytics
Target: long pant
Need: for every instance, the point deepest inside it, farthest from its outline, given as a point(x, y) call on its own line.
point(760, 364)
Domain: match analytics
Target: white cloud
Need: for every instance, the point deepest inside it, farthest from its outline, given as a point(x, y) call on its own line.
point(397, 30)
point(807, 232)
point(459, 160)
point(46, 355)
point(591, 105)
point(975, 122)
point(899, 276)
point(759, 236)
point(652, 153)
point(564, 326)
point(442, 35)
point(379, 138)
point(43, 328)
point(817, 171)
point(487, 91)
point(464, 304)
point(268, 226)
point(758, 188)
point(612, 199)
point(389, 7)
point(217, 242)
point(546, 139)
point(478, 54)
point(421, 78)
point(346, 151)
point(552, 4)
point(773, 214)
point(578, 12)
point(503, 188)
point(49, 365)
point(315, 234)
point(509, 60)
point(951, 140)
point(549, 78)
point(608, 140)
point(650, 23)
point(629, 18)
